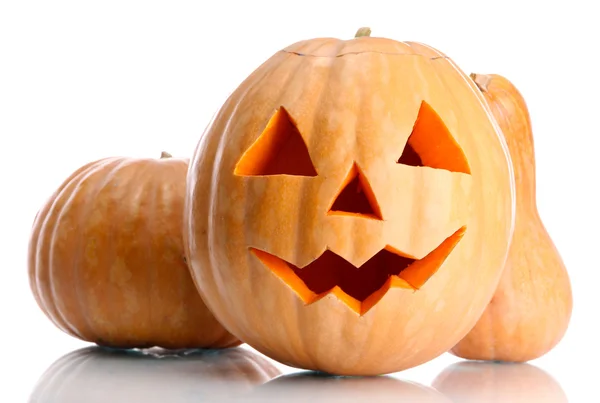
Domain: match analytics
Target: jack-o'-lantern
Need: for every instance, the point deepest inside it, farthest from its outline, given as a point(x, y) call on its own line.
point(350, 206)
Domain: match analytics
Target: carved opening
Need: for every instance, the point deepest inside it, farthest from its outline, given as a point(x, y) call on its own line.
point(279, 150)
point(360, 288)
point(356, 197)
point(432, 145)
point(410, 157)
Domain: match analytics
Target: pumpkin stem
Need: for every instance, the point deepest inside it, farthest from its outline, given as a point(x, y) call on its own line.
point(165, 154)
point(363, 31)
point(481, 80)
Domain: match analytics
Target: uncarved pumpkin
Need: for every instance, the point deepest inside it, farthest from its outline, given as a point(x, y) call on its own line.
point(531, 309)
point(349, 208)
point(107, 263)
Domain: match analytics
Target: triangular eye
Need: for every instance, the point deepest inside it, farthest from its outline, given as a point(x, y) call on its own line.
point(279, 150)
point(356, 197)
point(431, 145)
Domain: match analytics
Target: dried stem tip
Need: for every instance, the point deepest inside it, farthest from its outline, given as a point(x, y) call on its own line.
point(481, 80)
point(364, 31)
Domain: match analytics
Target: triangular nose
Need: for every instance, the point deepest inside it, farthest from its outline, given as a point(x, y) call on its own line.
point(356, 196)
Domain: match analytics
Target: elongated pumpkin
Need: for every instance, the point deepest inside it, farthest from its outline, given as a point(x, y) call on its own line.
point(350, 207)
point(531, 310)
point(107, 263)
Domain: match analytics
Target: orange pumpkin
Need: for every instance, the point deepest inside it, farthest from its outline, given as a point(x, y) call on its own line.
point(350, 207)
point(106, 258)
point(531, 309)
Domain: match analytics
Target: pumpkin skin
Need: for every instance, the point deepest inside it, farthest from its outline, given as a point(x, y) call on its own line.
point(107, 263)
point(319, 116)
point(98, 375)
point(531, 309)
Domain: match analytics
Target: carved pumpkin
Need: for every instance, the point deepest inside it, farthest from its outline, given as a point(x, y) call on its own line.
point(106, 258)
point(349, 208)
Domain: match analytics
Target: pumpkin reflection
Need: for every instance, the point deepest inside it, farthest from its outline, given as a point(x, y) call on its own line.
point(498, 382)
point(320, 387)
point(97, 374)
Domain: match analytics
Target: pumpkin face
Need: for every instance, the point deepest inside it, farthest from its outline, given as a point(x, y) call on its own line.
point(350, 207)
point(107, 263)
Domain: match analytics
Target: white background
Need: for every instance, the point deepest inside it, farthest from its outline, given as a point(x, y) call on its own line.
point(81, 80)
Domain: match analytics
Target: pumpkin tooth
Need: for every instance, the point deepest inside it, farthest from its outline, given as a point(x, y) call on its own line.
point(421, 270)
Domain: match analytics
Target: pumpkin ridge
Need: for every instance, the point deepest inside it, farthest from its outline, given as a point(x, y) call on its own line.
point(231, 105)
point(55, 212)
point(75, 190)
point(96, 193)
point(354, 53)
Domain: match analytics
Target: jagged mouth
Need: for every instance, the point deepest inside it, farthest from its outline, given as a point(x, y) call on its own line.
point(360, 288)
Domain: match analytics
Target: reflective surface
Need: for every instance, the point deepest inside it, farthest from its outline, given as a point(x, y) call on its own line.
point(94, 374)
point(471, 382)
point(317, 387)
